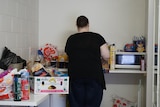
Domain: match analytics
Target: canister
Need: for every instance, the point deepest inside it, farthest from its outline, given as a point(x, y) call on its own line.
point(17, 87)
point(112, 56)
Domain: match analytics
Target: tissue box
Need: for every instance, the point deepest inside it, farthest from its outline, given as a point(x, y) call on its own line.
point(50, 85)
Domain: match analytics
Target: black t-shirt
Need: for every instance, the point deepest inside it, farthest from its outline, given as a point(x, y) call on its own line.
point(83, 50)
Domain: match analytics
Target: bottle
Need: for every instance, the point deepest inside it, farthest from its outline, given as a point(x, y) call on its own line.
point(112, 56)
point(54, 62)
point(41, 57)
point(25, 87)
point(62, 59)
point(17, 87)
point(142, 66)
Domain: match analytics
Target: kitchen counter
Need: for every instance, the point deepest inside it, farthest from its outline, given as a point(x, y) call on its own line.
point(34, 100)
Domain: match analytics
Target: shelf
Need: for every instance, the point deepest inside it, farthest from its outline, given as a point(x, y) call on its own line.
point(62, 69)
point(127, 71)
point(115, 71)
point(132, 53)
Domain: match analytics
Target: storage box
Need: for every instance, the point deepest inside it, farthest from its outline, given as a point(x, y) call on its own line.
point(50, 85)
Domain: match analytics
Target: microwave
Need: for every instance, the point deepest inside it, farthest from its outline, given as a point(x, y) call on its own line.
point(130, 60)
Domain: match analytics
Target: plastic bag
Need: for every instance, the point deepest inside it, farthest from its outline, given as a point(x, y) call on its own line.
point(8, 58)
point(122, 102)
point(6, 82)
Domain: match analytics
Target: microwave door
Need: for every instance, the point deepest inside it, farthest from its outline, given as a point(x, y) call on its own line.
point(127, 61)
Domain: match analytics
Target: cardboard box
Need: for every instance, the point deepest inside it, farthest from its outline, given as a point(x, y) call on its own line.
point(50, 85)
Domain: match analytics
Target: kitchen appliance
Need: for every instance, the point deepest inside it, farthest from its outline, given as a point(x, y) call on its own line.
point(130, 60)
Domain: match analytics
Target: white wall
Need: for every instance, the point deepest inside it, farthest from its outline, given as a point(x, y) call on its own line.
point(117, 20)
point(19, 26)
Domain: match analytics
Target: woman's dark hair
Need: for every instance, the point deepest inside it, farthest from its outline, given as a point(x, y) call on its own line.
point(82, 21)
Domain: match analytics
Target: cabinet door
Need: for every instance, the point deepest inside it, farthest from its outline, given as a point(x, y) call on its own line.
point(152, 95)
point(157, 53)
